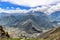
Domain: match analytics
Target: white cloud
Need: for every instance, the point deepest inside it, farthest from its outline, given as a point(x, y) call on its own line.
point(13, 11)
point(42, 9)
point(53, 9)
point(1, 10)
point(46, 8)
point(31, 3)
point(18, 10)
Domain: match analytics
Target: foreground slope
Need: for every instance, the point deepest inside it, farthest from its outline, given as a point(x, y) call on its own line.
point(3, 34)
point(53, 34)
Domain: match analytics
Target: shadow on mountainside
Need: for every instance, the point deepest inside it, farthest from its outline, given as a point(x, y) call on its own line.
point(3, 34)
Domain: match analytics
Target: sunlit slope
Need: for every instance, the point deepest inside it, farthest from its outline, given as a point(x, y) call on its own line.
point(53, 34)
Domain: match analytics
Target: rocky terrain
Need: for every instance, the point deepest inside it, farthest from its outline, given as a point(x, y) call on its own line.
point(53, 34)
point(3, 34)
point(17, 33)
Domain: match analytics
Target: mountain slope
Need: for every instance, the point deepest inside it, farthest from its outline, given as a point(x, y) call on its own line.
point(55, 18)
point(3, 34)
point(53, 34)
point(31, 26)
point(14, 19)
point(34, 22)
point(55, 15)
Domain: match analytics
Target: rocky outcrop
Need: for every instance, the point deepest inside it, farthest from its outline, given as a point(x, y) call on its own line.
point(3, 34)
point(53, 34)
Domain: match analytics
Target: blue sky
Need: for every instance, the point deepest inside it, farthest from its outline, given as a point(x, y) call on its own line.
point(9, 6)
point(46, 6)
point(25, 4)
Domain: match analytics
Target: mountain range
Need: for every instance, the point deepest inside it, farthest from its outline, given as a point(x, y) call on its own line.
point(28, 23)
point(34, 22)
point(55, 18)
point(39, 18)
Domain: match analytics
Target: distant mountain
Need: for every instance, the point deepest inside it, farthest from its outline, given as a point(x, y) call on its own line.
point(39, 18)
point(56, 23)
point(55, 18)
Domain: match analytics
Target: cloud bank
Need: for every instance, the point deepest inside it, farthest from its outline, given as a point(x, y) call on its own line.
point(18, 10)
point(44, 9)
point(46, 6)
point(31, 3)
point(53, 9)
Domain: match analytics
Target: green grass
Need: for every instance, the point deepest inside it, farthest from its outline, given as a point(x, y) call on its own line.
point(24, 39)
point(21, 39)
